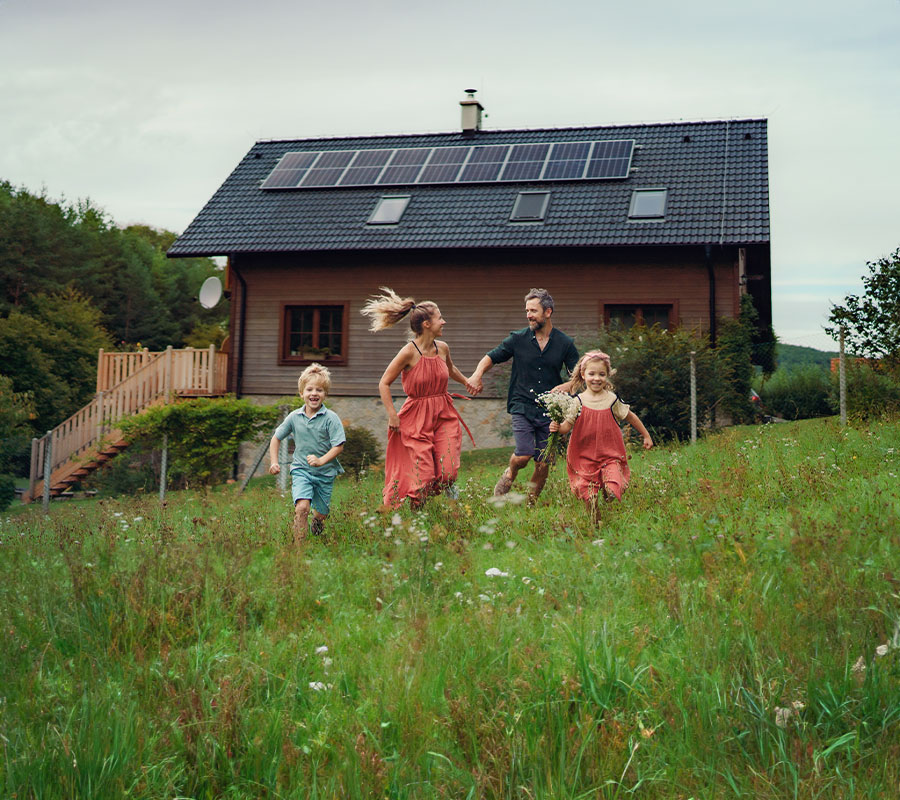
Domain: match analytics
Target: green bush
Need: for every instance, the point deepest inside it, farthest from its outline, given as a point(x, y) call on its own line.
point(360, 451)
point(7, 491)
point(800, 393)
point(654, 376)
point(871, 393)
point(203, 435)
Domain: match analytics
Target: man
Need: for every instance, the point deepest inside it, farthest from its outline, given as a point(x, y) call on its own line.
point(539, 353)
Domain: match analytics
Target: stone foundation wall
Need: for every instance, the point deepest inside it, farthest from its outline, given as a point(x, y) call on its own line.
point(486, 418)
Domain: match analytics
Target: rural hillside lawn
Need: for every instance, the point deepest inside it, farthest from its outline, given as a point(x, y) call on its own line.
point(732, 629)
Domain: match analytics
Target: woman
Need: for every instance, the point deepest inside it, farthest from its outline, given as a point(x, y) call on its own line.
point(424, 439)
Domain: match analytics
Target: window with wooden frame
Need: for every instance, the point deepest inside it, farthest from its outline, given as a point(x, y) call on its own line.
point(627, 315)
point(314, 333)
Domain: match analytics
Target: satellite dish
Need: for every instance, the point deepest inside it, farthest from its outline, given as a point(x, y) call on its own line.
point(210, 292)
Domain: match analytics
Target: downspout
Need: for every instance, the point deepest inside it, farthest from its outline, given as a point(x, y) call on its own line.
point(239, 378)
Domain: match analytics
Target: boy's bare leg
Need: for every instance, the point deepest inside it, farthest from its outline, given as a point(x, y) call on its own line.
point(318, 522)
point(301, 517)
point(506, 479)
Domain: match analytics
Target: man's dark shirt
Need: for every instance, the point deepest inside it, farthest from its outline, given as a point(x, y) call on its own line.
point(534, 371)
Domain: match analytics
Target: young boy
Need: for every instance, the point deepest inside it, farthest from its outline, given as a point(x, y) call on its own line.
point(318, 441)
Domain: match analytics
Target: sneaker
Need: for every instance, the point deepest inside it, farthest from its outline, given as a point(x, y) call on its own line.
point(503, 485)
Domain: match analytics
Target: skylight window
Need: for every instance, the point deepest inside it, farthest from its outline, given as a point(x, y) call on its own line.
point(530, 207)
point(389, 210)
point(648, 203)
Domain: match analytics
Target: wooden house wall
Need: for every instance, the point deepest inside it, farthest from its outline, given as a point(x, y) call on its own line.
point(480, 295)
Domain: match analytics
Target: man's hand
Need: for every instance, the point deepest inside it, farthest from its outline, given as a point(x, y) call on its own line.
point(474, 385)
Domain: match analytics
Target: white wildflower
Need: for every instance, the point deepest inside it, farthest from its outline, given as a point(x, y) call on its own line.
point(493, 572)
point(882, 650)
point(396, 520)
point(782, 715)
point(438, 565)
point(321, 650)
point(317, 686)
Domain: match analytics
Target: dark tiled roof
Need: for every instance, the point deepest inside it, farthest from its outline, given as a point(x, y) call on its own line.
point(716, 174)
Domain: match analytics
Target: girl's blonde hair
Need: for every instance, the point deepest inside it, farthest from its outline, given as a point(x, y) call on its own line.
point(592, 355)
point(389, 308)
point(314, 371)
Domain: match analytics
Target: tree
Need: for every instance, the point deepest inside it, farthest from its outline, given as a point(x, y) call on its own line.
point(872, 321)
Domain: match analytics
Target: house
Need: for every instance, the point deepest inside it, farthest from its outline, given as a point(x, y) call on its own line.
point(666, 223)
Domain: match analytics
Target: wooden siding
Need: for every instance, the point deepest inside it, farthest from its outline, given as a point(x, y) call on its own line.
point(480, 295)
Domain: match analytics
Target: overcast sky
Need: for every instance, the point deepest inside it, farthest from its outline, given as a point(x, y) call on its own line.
point(146, 108)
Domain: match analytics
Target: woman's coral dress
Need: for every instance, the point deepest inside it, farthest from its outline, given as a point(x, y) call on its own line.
point(423, 455)
point(596, 455)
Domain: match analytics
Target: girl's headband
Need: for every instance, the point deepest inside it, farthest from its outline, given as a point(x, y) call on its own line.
point(595, 354)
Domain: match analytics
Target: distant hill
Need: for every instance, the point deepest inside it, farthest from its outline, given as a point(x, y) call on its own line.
point(792, 356)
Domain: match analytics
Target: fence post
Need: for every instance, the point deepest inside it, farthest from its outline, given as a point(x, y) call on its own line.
point(842, 378)
point(693, 396)
point(285, 463)
point(163, 468)
point(48, 468)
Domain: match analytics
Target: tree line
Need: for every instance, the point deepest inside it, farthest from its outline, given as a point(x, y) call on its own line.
point(73, 282)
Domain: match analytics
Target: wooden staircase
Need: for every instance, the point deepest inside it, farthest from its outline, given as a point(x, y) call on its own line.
point(127, 383)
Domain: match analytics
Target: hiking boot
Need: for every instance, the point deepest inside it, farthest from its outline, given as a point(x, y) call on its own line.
point(503, 485)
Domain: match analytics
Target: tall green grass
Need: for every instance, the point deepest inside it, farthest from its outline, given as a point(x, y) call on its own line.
point(716, 636)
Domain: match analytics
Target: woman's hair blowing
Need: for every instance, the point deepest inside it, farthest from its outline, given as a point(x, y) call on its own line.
point(389, 308)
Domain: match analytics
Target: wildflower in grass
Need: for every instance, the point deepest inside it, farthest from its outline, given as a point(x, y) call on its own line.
point(493, 572)
point(322, 650)
point(598, 542)
point(882, 650)
point(438, 566)
point(396, 520)
point(782, 716)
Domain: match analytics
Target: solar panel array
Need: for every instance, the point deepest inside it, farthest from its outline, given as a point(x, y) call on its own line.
point(547, 161)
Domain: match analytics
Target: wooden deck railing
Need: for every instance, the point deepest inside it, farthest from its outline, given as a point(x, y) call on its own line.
point(145, 379)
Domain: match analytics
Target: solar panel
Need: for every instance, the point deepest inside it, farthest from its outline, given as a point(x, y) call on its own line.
point(289, 170)
point(526, 162)
point(328, 168)
point(405, 166)
point(539, 161)
point(485, 163)
point(444, 164)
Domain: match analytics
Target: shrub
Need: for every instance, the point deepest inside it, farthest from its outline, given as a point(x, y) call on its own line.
point(871, 393)
point(7, 491)
point(360, 451)
point(203, 435)
point(654, 376)
point(800, 393)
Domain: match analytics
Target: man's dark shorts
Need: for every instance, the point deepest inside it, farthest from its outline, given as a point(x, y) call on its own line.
point(531, 437)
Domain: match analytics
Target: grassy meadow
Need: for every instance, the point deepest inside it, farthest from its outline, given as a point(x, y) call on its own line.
point(732, 629)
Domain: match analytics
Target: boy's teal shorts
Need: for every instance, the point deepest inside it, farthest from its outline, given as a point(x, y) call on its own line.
point(307, 486)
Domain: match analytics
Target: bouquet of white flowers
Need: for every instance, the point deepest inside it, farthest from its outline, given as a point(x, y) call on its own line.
point(560, 407)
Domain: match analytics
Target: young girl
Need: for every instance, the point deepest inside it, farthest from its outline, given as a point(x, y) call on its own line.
point(424, 439)
point(596, 456)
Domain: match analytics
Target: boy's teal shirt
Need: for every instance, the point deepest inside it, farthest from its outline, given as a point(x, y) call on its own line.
point(314, 436)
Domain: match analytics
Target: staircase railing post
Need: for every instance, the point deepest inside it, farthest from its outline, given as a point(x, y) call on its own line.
point(211, 371)
point(48, 468)
point(33, 471)
point(100, 370)
point(167, 386)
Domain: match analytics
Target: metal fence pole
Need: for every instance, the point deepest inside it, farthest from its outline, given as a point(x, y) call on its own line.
point(48, 467)
point(842, 378)
point(163, 467)
point(693, 396)
point(285, 463)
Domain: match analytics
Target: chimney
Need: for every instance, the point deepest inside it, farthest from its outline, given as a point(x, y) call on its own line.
point(471, 113)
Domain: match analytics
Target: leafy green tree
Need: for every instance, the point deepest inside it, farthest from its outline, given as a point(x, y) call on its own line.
point(50, 350)
point(16, 415)
point(872, 321)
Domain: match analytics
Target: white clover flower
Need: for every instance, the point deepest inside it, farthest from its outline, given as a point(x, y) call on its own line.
point(396, 520)
point(493, 572)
